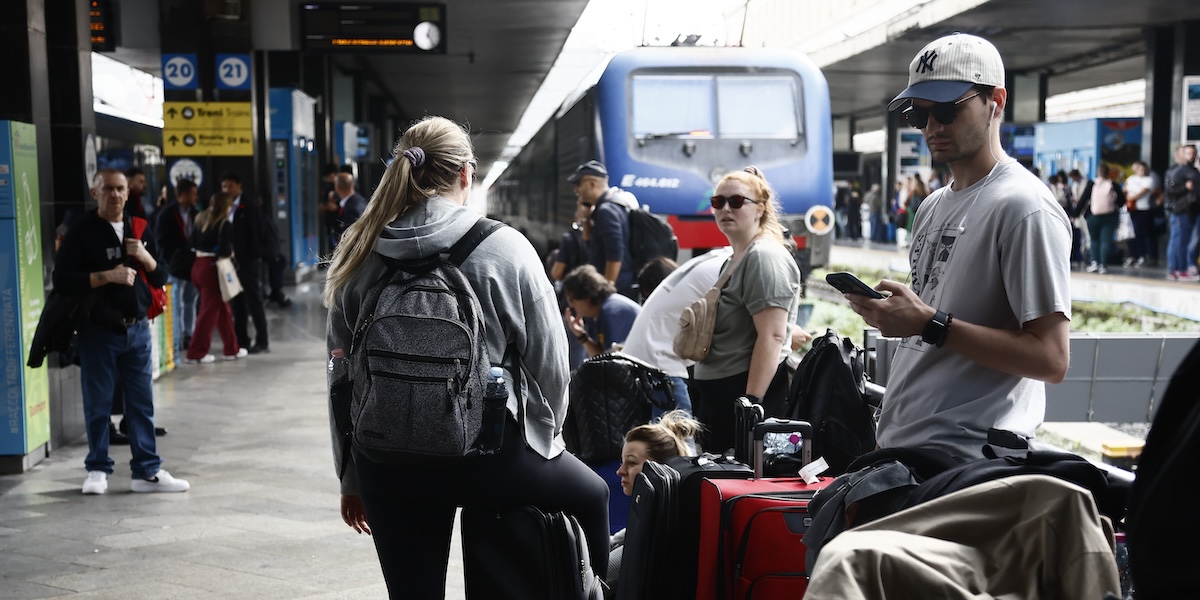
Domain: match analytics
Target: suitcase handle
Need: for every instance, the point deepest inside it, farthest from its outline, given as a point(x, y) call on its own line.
point(774, 425)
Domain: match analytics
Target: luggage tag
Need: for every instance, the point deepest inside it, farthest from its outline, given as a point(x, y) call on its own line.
point(811, 470)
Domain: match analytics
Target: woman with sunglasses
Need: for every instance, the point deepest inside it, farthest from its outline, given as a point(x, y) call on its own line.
point(419, 210)
point(756, 306)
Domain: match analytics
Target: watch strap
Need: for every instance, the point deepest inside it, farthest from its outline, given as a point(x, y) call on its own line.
point(937, 329)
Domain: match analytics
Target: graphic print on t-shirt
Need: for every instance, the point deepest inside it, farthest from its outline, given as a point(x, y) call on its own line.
point(931, 254)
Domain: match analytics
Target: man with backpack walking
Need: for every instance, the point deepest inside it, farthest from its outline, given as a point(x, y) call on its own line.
point(609, 209)
point(986, 320)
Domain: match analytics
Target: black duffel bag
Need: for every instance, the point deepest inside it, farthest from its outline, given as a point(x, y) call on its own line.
point(610, 394)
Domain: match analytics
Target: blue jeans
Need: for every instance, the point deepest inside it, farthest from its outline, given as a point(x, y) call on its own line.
point(103, 355)
point(1193, 244)
point(184, 309)
point(683, 401)
point(1103, 230)
point(1181, 237)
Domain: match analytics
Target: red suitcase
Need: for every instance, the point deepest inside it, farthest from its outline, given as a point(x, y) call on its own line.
point(752, 531)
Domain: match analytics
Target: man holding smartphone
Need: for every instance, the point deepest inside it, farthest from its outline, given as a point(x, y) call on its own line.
point(987, 317)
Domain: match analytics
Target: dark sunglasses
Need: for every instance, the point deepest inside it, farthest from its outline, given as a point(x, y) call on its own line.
point(735, 201)
point(944, 112)
point(474, 168)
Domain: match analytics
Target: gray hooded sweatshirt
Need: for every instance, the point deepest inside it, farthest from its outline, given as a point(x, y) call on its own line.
point(519, 308)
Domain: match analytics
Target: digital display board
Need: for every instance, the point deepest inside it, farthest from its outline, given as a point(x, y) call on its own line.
point(410, 28)
point(100, 17)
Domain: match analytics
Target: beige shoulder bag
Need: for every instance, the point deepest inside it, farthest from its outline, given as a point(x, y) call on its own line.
point(696, 324)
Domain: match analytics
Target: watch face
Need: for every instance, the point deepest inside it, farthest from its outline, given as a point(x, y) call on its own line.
point(427, 36)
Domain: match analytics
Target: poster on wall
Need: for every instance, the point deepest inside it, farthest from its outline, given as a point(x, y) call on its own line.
point(25, 391)
point(1191, 110)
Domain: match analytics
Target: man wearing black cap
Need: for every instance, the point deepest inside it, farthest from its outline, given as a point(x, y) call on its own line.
point(986, 320)
point(609, 210)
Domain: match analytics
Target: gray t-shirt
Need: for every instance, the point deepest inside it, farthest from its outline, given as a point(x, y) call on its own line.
point(767, 277)
point(994, 254)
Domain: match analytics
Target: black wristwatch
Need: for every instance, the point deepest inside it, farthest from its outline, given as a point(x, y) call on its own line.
point(937, 329)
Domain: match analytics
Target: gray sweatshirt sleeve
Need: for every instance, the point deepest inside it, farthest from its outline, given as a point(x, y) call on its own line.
point(338, 334)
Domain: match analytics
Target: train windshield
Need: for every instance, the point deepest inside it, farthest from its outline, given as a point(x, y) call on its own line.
point(720, 106)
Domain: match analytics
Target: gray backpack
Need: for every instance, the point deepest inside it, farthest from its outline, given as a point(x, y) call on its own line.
point(419, 359)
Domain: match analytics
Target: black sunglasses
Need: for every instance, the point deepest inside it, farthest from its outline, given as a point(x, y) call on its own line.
point(735, 201)
point(944, 112)
point(474, 168)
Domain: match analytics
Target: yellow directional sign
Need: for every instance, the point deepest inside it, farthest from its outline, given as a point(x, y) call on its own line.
point(208, 129)
point(207, 143)
point(819, 219)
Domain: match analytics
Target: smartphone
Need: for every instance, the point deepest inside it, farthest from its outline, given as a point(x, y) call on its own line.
point(847, 283)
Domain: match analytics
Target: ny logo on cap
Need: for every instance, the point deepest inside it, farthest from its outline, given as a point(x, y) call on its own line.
point(926, 61)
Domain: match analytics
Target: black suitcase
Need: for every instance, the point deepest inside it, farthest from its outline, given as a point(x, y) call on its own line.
point(650, 549)
point(523, 553)
point(662, 536)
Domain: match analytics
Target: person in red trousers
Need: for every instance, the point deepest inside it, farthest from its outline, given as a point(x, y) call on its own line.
point(212, 239)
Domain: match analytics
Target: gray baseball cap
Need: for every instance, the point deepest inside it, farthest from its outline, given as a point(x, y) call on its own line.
point(947, 67)
point(594, 168)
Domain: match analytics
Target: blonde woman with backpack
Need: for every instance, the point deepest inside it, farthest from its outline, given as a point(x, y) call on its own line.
point(417, 211)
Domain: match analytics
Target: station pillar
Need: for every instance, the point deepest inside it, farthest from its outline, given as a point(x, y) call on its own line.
point(1172, 67)
point(1026, 98)
point(48, 50)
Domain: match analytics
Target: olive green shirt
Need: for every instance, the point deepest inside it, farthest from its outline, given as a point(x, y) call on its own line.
point(767, 277)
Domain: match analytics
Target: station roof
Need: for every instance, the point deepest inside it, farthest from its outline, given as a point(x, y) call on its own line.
point(500, 51)
point(1079, 44)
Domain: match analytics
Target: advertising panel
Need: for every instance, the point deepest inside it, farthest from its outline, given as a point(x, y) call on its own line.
point(24, 392)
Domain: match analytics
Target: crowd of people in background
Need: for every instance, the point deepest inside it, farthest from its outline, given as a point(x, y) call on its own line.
point(1125, 216)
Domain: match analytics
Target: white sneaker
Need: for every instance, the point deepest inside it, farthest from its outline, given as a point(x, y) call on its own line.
point(241, 353)
point(1093, 267)
point(207, 358)
point(162, 481)
point(96, 482)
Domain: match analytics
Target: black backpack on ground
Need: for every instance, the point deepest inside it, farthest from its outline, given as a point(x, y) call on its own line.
point(524, 553)
point(1162, 513)
point(650, 236)
point(610, 394)
point(828, 391)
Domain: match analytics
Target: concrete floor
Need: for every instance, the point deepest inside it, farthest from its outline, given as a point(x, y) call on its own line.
point(261, 520)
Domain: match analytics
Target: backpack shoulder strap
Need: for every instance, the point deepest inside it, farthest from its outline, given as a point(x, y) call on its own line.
point(467, 244)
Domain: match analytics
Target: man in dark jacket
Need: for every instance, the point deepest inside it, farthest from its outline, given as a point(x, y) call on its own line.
point(248, 248)
point(173, 233)
point(101, 252)
point(351, 206)
point(1182, 187)
point(609, 210)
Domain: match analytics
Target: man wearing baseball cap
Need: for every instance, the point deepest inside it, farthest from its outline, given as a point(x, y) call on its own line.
point(986, 319)
point(608, 209)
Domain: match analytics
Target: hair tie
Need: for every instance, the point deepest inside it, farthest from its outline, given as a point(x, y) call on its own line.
point(416, 156)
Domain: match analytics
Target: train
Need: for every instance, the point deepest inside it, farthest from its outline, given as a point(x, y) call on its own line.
point(668, 123)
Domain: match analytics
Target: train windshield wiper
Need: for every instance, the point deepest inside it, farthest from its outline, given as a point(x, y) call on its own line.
point(655, 136)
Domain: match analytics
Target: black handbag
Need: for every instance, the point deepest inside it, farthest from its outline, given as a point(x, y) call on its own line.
point(609, 395)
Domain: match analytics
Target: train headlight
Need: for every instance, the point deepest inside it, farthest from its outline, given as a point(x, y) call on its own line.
point(716, 174)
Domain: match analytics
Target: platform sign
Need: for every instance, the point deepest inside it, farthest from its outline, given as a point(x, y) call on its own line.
point(208, 129)
point(179, 71)
point(405, 28)
point(233, 71)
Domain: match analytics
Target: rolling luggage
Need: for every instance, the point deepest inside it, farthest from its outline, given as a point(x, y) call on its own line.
point(523, 553)
point(661, 540)
point(650, 536)
point(751, 531)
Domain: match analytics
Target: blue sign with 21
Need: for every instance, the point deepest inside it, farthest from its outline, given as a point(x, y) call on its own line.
point(233, 71)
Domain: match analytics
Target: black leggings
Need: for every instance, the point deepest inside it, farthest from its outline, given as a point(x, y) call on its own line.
point(411, 508)
point(713, 405)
